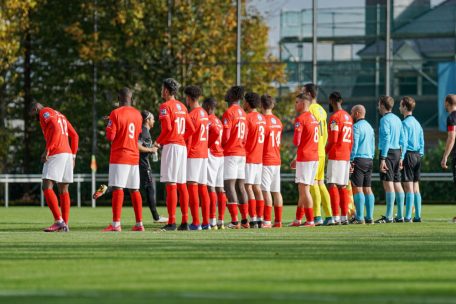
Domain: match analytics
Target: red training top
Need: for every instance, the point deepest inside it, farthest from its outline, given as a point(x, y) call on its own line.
point(340, 136)
point(256, 129)
point(306, 135)
point(197, 144)
point(272, 139)
point(176, 126)
point(234, 131)
point(215, 136)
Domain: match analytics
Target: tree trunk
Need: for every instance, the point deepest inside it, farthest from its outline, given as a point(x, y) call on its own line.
point(27, 101)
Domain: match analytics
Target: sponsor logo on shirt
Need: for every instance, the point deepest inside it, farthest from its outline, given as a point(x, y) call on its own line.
point(202, 113)
point(259, 117)
point(225, 121)
point(240, 112)
point(297, 125)
point(109, 123)
point(178, 106)
point(334, 126)
point(273, 120)
point(346, 117)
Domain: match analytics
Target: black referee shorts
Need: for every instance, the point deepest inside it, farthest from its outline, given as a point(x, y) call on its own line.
point(362, 172)
point(412, 167)
point(392, 163)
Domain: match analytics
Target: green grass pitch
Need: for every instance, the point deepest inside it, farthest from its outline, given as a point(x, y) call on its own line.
point(390, 263)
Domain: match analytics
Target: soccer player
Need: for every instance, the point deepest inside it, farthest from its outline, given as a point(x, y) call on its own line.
point(122, 131)
point(320, 194)
point(412, 146)
point(270, 176)
point(176, 126)
point(197, 146)
point(338, 148)
point(215, 166)
point(390, 158)
point(450, 150)
point(256, 127)
point(361, 158)
point(59, 159)
point(306, 136)
point(233, 143)
point(146, 147)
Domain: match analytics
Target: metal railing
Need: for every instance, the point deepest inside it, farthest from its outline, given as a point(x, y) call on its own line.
point(8, 179)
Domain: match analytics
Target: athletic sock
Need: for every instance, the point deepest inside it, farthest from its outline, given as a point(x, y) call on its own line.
point(417, 205)
point(400, 197)
point(309, 214)
point(53, 203)
point(260, 209)
point(316, 198)
point(344, 201)
point(136, 201)
point(183, 201)
point(171, 203)
point(233, 210)
point(409, 201)
point(205, 203)
point(267, 213)
point(370, 201)
point(278, 214)
point(360, 201)
point(244, 209)
point(213, 208)
point(65, 204)
point(299, 213)
point(325, 200)
point(194, 202)
point(221, 198)
point(335, 200)
point(390, 197)
point(117, 202)
point(252, 209)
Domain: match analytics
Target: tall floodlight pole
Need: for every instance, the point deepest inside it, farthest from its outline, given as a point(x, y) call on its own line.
point(93, 164)
point(238, 44)
point(388, 49)
point(314, 41)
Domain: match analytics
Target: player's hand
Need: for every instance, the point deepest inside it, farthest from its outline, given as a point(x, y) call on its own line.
point(293, 164)
point(156, 144)
point(443, 163)
point(45, 156)
point(352, 167)
point(401, 164)
point(383, 167)
point(106, 118)
point(153, 150)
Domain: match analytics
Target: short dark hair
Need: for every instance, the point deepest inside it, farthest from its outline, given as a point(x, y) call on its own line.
point(193, 92)
point(387, 102)
point(145, 114)
point(304, 96)
point(253, 99)
point(209, 104)
point(125, 93)
point(234, 93)
point(451, 99)
point(312, 89)
point(336, 96)
point(171, 85)
point(267, 102)
point(409, 103)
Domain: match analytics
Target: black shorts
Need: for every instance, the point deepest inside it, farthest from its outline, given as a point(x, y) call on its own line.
point(145, 177)
point(412, 167)
point(362, 172)
point(392, 163)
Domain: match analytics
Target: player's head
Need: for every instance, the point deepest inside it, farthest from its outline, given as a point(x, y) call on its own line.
point(192, 94)
point(35, 108)
point(385, 104)
point(310, 88)
point(358, 112)
point(209, 104)
point(335, 101)
point(170, 88)
point(302, 102)
point(148, 119)
point(267, 102)
point(251, 101)
point(407, 105)
point(124, 96)
point(234, 94)
point(450, 102)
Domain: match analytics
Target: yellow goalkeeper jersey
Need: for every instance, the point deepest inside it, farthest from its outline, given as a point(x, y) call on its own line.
point(320, 114)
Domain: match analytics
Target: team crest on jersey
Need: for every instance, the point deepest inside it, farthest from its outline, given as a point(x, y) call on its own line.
point(334, 126)
point(240, 112)
point(297, 125)
point(273, 120)
point(202, 113)
point(346, 117)
point(178, 106)
point(109, 123)
point(225, 121)
point(259, 117)
point(46, 115)
point(163, 112)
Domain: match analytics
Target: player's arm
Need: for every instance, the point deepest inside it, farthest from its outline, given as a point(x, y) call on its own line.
point(165, 123)
point(356, 135)
point(403, 139)
point(190, 128)
point(451, 127)
point(421, 141)
point(297, 136)
point(227, 125)
point(214, 134)
point(111, 128)
point(74, 143)
point(384, 138)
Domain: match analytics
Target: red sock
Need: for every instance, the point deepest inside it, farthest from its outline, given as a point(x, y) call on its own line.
point(171, 202)
point(213, 208)
point(299, 213)
point(260, 208)
point(194, 202)
point(53, 203)
point(244, 209)
point(65, 204)
point(232, 208)
point(136, 201)
point(335, 200)
point(309, 214)
point(278, 214)
point(117, 202)
point(205, 203)
point(183, 201)
point(267, 213)
point(221, 197)
point(252, 208)
point(344, 201)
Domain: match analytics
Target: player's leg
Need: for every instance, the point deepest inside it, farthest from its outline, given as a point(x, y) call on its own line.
point(259, 203)
point(333, 189)
point(145, 180)
point(368, 194)
point(357, 178)
point(221, 196)
point(307, 202)
point(136, 201)
point(324, 194)
point(251, 202)
point(387, 179)
point(243, 202)
point(300, 205)
point(118, 179)
point(342, 170)
point(65, 201)
point(230, 168)
point(400, 199)
point(194, 204)
point(266, 181)
point(278, 208)
point(168, 175)
point(181, 178)
point(416, 188)
point(213, 206)
point(409, 200)
point(205, 205)
point(316, 193)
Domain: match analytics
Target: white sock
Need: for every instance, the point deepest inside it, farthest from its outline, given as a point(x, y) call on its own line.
point(115, 224)
point(213, 221)
point(336, 218)
point(139, 224)
point(267, 222)
point(59, 221)
point(253, 219)
point(220, 222)
point(343, 218)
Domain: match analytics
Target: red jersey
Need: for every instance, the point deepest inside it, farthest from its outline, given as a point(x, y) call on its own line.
point(234, 131)
point(197, 144)
point(272, 139)
point(215, 136)
point(306, 135)
point(175, 123)
point(256, 129)
point(56, 130)
point(340, 136)
point(124, 127)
